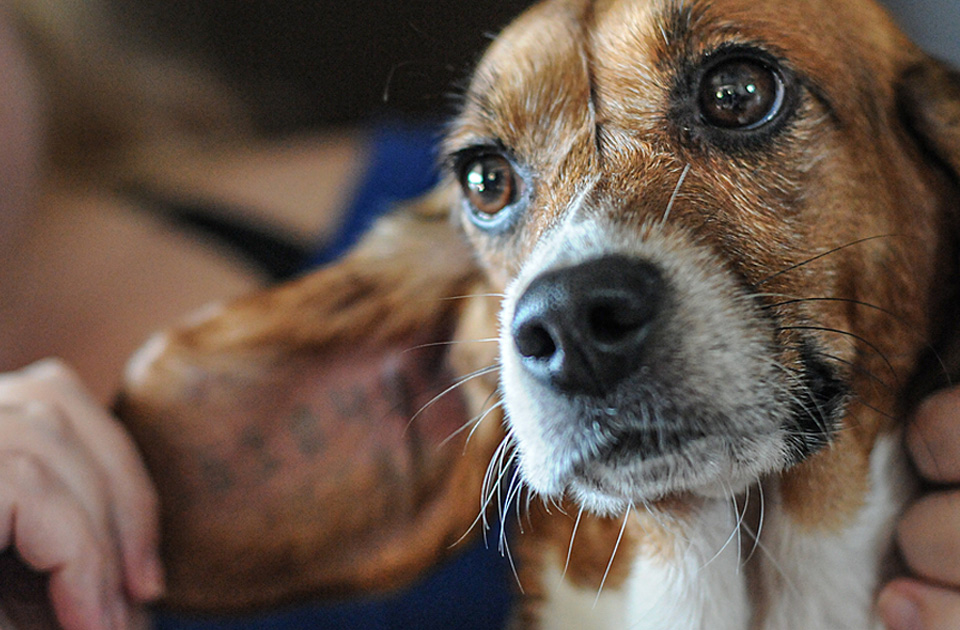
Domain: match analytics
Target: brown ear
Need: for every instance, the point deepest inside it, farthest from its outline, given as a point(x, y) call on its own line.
point(299, 437)
point(930, 102)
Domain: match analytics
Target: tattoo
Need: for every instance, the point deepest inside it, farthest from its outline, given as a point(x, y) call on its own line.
point(263, 465)
point(215, 474)
point(307, 431)
point(352, 403)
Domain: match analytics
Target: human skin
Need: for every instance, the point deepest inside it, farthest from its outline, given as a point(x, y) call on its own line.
point(20, 137)
point(75, 499)
point(929, 532)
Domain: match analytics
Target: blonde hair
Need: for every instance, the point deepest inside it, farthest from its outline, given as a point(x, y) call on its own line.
point(106, 96)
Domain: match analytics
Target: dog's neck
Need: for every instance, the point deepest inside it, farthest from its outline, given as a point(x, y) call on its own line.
point(705, 569)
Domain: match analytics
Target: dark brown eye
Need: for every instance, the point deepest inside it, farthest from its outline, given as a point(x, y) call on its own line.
point(489, 184)
point(740, 93)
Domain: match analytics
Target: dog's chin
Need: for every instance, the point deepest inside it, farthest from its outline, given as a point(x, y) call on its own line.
point(607, 479)
point(717, 466)
point(608, 458)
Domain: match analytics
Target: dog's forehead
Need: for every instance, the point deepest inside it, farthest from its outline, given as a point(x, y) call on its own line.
point(567, 65)
point(581, 94)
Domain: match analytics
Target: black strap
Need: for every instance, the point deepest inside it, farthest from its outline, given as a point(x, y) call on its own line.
point(264, 246)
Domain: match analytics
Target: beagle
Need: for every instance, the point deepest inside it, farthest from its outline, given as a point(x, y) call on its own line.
point(691, 263)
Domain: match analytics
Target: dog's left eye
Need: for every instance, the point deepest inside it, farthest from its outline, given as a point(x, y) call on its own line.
point(740, 93)
point(489, 184)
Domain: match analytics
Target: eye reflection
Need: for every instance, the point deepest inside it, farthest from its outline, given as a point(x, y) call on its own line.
point(740, 93)
point(489, 184)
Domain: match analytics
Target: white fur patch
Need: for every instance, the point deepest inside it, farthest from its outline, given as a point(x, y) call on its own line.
point(569, 607)
point(816, 581)
point(699, 588)
point(703, 589)
point(812, 581)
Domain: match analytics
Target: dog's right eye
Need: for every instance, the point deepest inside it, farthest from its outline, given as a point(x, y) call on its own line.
point(489, 184)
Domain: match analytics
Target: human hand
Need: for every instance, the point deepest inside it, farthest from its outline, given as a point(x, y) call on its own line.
point(929, 532)
point(76, 502)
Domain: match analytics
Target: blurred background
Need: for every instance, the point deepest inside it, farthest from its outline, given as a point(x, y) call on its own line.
point(304, 63)
point(307, 63)
point(934, 24)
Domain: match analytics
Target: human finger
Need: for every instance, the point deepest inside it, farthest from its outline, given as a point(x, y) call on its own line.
point(131, 503)
point(907, 604)
point(933, 437)
point(53, 533)
point(929, 540)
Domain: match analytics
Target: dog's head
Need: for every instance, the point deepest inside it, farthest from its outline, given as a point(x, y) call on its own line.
point(716, 239)
point(714, 231)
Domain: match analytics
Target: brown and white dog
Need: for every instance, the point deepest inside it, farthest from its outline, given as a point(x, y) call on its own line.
point(703, 257)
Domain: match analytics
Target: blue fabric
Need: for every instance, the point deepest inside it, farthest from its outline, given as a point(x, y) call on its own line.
point(402, 165)
point(471, 591)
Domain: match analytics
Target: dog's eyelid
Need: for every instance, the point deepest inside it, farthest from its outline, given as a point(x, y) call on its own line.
point(456, 158)
point(766, 53)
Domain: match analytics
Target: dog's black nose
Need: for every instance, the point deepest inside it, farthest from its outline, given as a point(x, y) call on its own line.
point(582, 329)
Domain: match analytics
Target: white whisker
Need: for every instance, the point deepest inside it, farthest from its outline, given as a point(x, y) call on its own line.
point(756, 536)
point(673, 197)
point(450, 342)
point(468, 296)
point(487, 493)
point(616, 547)
point(513, 491)
point(459, 383)
point(726, 543)
point(474, 423)
point(513, 567)
point(576, 526)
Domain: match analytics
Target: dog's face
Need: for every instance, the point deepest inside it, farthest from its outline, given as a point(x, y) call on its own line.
point(696, 212)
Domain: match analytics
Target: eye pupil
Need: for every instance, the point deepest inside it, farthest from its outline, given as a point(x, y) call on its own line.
point(740, 94)
point(489, 185)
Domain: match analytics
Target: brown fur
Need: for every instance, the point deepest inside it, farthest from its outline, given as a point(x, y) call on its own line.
point(108, 102)
point(867, 172)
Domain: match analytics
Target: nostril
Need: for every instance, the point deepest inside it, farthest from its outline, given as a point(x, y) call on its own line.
point(606, 324)
point(534, 341)
point(611, 322)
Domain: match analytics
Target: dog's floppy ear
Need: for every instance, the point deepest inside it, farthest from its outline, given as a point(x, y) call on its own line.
point(299, 437)
point(929, 95)
point(929, 102)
